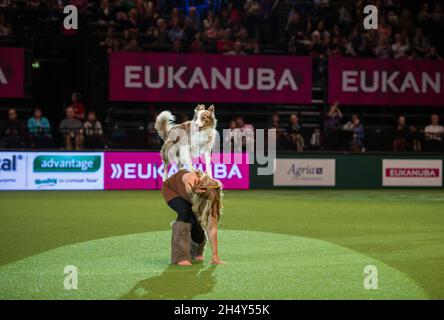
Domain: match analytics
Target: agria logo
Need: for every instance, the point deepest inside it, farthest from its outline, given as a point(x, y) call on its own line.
point(66, 163)
point(9, 164)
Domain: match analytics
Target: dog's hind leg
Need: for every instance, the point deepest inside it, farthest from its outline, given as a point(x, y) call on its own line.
point(165, 159)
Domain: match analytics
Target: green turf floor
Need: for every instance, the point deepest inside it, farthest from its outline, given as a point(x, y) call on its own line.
point(308, 244)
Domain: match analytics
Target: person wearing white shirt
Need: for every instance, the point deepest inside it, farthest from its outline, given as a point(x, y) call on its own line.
point(434, 134)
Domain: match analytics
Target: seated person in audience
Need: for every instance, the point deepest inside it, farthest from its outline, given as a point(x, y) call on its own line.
point(39, 130)
point(229, 136)
point(356, 129)
point(78, 106)
point(93, 132)
point(402, 135)
point(281, 133)
point(433, 135)
point(14, 129)
point(72, 130)
point(247, 132)
point(294, 135)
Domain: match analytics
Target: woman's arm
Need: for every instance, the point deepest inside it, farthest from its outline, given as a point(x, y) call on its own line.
point(212, 237)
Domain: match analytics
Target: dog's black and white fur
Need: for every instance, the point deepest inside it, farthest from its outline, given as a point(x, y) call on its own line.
point(183, 142)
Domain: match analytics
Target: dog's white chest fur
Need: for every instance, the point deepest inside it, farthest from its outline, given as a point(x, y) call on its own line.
point(202, 141)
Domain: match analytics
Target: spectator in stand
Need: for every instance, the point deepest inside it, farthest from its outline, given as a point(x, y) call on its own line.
point(105, 12)
point(247, 132)
point(434, 134)
point(72, 130)
point(78, 106)
point(382, 50)
point(420, 42)
point(295, 138)
point(176, 32)
point(93, 132)
point(39, 130)
point(13, 135)
point(400, 47)
point(240, 124)
point(228, 136)
point(280, 132)
point(132, 46)
point(110, 44)
point(5, 27)
point(433, 55)
point(237, 49)
point(357, 130)
point(332, 126)
point(402, 135)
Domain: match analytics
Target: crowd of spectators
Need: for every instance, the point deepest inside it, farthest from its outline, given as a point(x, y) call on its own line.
point(82, 130)
point(313, 28)
point(319, 31)
point(74, 130)
point(227, 27)
point(320, 28)
point(337, 134)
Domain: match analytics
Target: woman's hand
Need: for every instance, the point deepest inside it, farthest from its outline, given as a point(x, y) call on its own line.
point(196, 186)
point(216, 260)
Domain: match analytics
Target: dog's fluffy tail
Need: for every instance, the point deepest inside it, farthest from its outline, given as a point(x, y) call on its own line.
point(164, 123)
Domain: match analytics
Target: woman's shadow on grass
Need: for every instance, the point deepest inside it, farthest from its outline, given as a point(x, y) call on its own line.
point(175, 282)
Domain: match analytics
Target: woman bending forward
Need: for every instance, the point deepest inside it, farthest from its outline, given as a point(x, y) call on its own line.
point(197, 200)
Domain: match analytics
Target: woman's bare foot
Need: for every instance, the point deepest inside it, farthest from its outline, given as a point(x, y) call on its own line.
point(199, 258)
point(216, 260)
point(184, 263)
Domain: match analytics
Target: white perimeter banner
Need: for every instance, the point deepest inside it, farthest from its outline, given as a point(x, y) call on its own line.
point(305, 172)
point(12, 171)
point(51, 170)
point(65, 171)
point(411, 173)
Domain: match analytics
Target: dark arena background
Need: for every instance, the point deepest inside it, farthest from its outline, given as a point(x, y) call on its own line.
point(352, 203)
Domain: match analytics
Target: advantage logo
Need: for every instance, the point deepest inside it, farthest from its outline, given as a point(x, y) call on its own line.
point(64, 163)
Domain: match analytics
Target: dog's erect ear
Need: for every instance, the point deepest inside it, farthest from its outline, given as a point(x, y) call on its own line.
point(211, 108)
point(199, 107)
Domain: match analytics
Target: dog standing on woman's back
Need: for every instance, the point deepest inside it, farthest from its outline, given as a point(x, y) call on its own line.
point(183, 142)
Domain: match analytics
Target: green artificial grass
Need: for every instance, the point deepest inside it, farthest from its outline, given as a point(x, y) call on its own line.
point(136, 267)
point(308, 244)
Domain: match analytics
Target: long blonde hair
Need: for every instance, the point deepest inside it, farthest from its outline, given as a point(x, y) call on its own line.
point(209, 202)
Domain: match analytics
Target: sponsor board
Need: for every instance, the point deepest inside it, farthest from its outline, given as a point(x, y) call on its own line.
point(386, 82)
point(304, 172)
point(12, 170)
point(144, 170)
point(65, 171)
point(412, 173)
point(12, 72)
point(142, 76)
